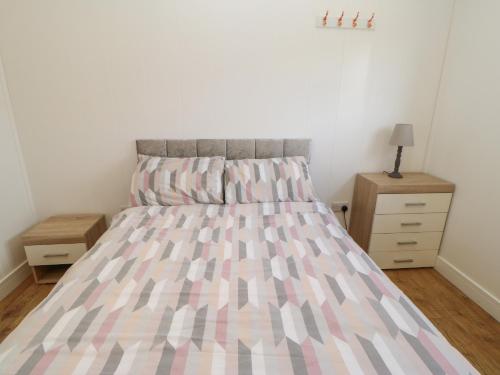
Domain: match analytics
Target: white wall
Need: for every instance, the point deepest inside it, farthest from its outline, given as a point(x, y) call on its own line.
point(465, 148)
point(16, 210)
point(88, 77)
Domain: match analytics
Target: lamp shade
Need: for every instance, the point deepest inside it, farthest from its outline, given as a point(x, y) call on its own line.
point(402, 135)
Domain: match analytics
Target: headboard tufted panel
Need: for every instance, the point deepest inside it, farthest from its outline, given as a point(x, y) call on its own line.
point(230, 148)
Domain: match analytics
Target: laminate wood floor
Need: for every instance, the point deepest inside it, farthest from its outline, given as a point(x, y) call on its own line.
point(19, 303)
point(469, 328)
point(466, 326)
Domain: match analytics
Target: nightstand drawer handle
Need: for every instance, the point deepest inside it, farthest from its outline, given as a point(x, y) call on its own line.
point(413, 204)
point(407, 242)
point(55, 255)
point(403, 260)
point(416, 223)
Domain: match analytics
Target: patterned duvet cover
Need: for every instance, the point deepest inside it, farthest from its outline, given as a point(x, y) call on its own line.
point(227, 289)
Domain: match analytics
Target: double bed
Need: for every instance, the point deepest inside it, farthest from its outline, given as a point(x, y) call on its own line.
point(256, 288)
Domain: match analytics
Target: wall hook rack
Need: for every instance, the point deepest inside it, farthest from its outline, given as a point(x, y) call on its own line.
point(358, 23)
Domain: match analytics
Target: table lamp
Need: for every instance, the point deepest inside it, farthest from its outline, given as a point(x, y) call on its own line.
point(402, 135)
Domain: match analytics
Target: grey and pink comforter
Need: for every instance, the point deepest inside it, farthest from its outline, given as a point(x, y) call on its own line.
point(227, 289)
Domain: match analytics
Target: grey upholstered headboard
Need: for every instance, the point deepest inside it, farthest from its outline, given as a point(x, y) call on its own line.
point(230, 148)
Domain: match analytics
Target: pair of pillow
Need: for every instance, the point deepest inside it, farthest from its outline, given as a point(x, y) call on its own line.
point(177, 181)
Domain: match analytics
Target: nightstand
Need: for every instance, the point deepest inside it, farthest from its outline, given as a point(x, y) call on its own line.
point(54, 244)
point(400, 222)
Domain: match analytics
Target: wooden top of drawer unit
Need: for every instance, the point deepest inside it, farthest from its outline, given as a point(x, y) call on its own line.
point(64, 229)
point(412, 182)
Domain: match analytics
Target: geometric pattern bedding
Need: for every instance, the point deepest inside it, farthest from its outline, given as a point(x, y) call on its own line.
point(177, 181)
point(272, 288)
point(268, 180)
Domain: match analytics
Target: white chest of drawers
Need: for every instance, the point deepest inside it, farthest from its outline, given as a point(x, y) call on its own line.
point(400, 222)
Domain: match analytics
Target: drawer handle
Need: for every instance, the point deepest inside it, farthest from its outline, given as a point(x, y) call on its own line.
point(416, 223)
point(407, 242)
point(403, 260)
point(413, 204)
point(55, 255)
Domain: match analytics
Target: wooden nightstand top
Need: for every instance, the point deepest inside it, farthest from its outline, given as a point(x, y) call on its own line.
point(64, 229)
point(412, 182)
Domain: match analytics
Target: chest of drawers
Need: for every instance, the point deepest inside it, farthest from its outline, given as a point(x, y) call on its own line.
point(55, 243)
point(400, 222)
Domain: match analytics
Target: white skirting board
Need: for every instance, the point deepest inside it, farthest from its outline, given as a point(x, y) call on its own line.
point(14, 278)
point(469, 287)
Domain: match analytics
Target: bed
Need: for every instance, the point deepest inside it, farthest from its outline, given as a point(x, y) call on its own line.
point(259, 288)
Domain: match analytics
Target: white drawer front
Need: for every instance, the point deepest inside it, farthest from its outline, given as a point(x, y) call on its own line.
point(404, 259)
point(405, 241)
point(412, 203)
point(409, 223)
point(39, 255)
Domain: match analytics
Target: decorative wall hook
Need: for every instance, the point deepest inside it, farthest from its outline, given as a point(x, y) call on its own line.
point(340, 20)
point(324, 21)
point(355, 21)
point(369, 23)
point(325, 18)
